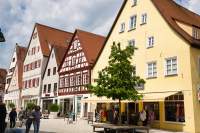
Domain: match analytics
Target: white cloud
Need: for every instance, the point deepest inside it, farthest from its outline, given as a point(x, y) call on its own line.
point(18, 18)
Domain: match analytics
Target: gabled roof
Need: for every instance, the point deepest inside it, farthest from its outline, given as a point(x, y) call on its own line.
point(3, 74)
point(91, 44)
point(51, 36)
point(173, 12)
point(20, 52)
point(59, 53)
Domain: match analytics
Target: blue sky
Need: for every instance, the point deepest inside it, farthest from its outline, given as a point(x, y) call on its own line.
point(18, 18)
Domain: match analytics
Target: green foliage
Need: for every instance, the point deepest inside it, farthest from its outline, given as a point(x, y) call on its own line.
point(11, 105)
point(54, 108)
point(117, 80)
point(30, 106)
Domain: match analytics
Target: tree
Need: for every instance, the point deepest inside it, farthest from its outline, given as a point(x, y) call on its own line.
point(117, 80)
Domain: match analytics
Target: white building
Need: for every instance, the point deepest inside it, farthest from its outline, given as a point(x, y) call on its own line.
point(36, 59)
point(14, 77)
point(51, 77)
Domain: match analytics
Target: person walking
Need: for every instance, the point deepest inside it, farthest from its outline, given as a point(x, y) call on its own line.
point(37, 116)
point(13, 117)
point(29, 119)
point(3, 113)
point(21, 117)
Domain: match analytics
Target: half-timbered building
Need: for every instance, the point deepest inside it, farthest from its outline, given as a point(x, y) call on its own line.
point(41, 41)
point(14, 77)
point(75, 71)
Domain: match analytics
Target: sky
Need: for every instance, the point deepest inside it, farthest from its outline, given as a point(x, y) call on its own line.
point(19, 16)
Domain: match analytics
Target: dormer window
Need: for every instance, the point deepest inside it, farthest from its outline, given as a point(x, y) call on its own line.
point(196, 33)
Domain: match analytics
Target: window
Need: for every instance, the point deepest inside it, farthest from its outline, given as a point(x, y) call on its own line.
point(153, 110)
point(144, 18)
point(13, 60)
point(73, 61)
point(66, 81)
point(171, 66)
point(55, 87)
point(45, 89)
point(48, 72)
point(150, 42)
point(72, 81)
point(122, 27)
point(196, 33)
point(152, 72)
point(34, 35)
point(62, 82)
point(49, 88)
point(131, 42)
point(174, 108)
point(132, 23)
point(134, 2)
point(54, 71)
point(78, 80)
point(33, 82)
point(85, 78)
point(37, 81)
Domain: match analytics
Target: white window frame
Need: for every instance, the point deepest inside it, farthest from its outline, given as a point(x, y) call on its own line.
point(153, 73)
point(171, 66)
point(150, 41)
point(132, 26)
point(131, 42)
point(134, 3)
point(143, 18)
point(122, 27)
point(196, 33)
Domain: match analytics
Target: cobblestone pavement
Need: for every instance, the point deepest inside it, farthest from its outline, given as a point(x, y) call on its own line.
point(81, 126)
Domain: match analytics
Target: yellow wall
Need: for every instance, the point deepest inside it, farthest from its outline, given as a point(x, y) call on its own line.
point(167, 44)
point(185, 27)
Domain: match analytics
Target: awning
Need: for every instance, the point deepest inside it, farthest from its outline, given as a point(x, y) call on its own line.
point(148, 97)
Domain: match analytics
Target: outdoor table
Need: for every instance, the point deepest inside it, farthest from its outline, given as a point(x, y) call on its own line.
point(119, 128)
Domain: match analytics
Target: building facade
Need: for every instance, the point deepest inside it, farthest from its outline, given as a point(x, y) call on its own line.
point(41, 41)
point(167, 38)
point(75, 71)
point(14, 77)
point(51, 77)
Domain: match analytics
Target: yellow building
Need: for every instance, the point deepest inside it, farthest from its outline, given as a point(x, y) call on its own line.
point(168, 58)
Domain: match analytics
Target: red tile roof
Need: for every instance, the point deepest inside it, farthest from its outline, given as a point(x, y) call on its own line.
point(59, 53)
point(173, 12)
point(48, 35)
point(91, 44)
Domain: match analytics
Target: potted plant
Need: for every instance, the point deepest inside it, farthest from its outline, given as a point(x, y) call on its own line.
point(11, 105)
point(30, 106)
point(54, 108)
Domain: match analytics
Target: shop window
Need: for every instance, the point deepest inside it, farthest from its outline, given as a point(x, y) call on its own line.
point(174, 108)
point(152, 110)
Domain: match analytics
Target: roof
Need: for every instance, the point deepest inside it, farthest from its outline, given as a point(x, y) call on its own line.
point(3, 74)
point(59, 53)
point(20, 52)
point(91, 44)
point(173, 12)
point(51, 36)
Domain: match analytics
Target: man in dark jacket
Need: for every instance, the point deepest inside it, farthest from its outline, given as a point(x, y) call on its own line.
point(3, 113)
point(13, 117)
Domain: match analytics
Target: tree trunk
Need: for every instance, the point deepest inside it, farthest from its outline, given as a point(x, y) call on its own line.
point(120, 116)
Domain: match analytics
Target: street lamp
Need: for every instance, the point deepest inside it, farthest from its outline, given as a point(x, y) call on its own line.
point(2, 39)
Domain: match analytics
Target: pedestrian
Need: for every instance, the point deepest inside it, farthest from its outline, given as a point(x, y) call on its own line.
point(13, 117)
point(143, 117)
point(21, 117)
point(37, 116)
point(3, 113)
point(29, 119)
